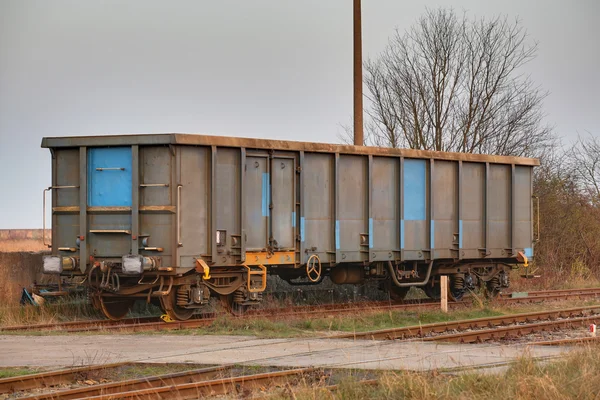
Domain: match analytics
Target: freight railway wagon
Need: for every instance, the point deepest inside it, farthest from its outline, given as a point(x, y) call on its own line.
point(177, 219)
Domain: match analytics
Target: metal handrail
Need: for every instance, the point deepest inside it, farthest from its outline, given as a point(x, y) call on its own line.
point(49, 188)
point(407, 284)
point(537, 199)
point(179, 216)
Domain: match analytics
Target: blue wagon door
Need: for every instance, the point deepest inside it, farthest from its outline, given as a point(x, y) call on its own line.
point(257, 197)
point(109, 177)
point(109, 192)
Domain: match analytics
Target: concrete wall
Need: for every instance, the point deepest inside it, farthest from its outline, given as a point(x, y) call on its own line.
point(18, 270)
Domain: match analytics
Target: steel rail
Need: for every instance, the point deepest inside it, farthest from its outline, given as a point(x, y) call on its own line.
point(51, 378)
point(111, 388)
point(505, 332)
point(544, 293)
point(195, 390)
point(478, 323)
point(76, 324)
point(568, 341)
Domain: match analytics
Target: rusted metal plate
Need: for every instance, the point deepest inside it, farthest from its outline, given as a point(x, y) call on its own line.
point(276, 258)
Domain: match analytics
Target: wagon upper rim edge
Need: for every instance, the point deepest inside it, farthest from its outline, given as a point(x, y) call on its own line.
point(268, 144)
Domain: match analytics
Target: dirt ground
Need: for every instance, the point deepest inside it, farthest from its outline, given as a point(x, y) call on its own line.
point(72, 350)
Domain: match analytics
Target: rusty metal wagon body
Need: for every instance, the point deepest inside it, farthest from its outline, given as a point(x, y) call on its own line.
point(178, 218)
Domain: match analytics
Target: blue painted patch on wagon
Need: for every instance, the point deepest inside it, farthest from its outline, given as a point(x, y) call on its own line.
point(109, 176)
point(402, 234)
point(266, 194)
point(460, 234)
point(528, 252)
point(293, 219)
point(370, 233)
point(302, 229)
point(337, 234)
point(415, 189)
point(432, 234)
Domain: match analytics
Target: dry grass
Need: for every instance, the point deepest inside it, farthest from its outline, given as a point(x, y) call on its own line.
point(65, 309)
point(549, 279)
point(577, 376)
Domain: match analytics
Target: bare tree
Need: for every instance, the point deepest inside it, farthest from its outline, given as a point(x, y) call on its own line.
point(454, 84)
point(584, 160)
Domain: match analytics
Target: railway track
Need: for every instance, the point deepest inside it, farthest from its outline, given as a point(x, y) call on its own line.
point(483, 329)
point(156, 324)
point(213, 380)
point(191, 384)
point(51, 378)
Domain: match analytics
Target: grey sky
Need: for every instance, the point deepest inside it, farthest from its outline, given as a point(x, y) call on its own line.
point(262, 68)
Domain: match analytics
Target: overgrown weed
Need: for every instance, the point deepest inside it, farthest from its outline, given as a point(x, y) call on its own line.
point(59, 310)
point(576, 376)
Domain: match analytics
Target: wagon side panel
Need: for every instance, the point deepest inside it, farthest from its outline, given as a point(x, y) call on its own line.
point(317, 224)
point(472, 223)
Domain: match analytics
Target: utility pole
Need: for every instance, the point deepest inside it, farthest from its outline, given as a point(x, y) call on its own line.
point(358, 94)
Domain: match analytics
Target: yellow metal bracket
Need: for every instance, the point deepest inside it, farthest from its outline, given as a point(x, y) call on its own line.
point(522, 258)
point(202, 267)
point(263, 275)
point(166, 318)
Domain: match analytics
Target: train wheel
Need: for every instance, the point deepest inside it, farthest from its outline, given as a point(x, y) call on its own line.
point(492, 288)
point(433, 290)
point(398, 293)
point(114, 308)
point(456, 288)
point(169, 305)
point(233, 307)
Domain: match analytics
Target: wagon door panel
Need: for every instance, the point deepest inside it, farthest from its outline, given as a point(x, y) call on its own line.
point(523, 210)
point(472, 222)
point(444, 223)
point(384, 208)
point(414, 230)
point(256, 202)
point(194, 164)
point(283, 200)
point(351, 230)
point(109, 200)
point(227, 204)
point(157, 204)
point(316, 226)
point(109, 177)
point(499, 210)
point(66, 224)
